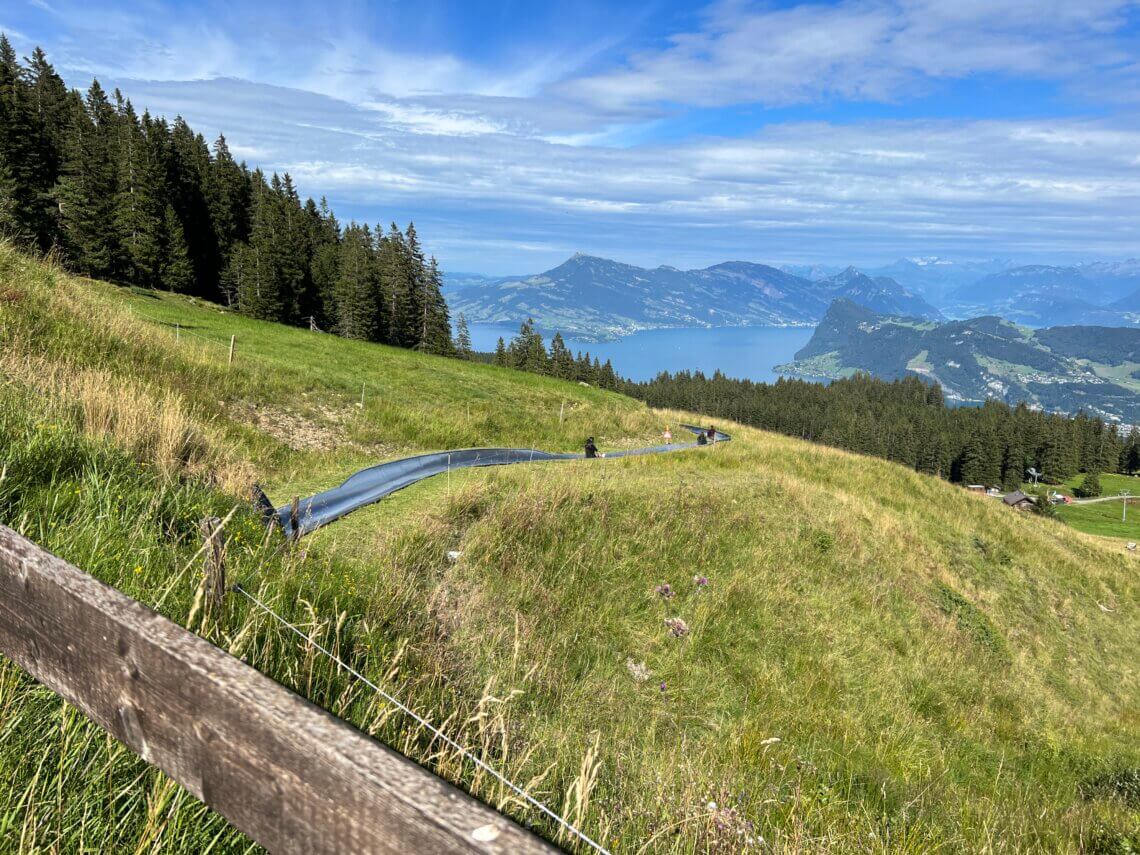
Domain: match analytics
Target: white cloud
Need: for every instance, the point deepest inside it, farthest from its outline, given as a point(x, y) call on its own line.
point(860, 49)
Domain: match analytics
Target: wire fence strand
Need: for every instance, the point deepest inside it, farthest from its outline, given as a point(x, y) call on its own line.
point(515, 788)
point(181, 330)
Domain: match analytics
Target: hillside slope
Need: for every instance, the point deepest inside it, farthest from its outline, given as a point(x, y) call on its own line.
point(877, 662)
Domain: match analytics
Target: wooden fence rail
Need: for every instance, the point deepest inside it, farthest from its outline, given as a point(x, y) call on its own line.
point(287, 773)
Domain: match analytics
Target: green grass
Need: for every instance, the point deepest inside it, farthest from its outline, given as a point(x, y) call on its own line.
point(1104, 519)
point(881, 662)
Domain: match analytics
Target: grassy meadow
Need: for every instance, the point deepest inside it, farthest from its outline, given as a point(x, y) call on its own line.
point(1105, 518)
point(848, 657)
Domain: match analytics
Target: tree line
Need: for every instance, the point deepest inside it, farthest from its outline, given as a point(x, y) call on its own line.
point(139, 201)
point(527, 351)
point(907, 421)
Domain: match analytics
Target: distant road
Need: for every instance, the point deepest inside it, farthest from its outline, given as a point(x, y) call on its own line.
point(1101, 499)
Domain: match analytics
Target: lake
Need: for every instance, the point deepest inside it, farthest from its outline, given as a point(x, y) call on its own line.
point(744, 352)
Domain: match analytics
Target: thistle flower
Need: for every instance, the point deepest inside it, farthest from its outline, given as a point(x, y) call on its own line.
point(701, 581)
point(677, 627)
point(665, 590)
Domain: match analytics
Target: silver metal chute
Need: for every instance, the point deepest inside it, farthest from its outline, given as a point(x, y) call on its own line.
point(374, 483)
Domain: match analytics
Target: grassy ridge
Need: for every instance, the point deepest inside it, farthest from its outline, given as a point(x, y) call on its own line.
point(879, 661)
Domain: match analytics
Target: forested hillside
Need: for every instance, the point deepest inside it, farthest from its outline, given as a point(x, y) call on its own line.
point(908, 422)
point(1060, 369)
point(137, 200)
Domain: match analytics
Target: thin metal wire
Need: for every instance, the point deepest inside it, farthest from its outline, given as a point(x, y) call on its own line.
point(517, 790)
point(180, 330)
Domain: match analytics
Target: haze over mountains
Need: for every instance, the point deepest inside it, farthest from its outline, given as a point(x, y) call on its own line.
point(591, 297)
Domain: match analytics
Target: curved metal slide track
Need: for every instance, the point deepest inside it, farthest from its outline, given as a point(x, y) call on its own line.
point(374, 483)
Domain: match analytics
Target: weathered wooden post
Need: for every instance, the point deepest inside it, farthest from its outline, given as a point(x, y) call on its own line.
point(214, 563)
point(177, 331)
point(233, 340)
point(295, 518)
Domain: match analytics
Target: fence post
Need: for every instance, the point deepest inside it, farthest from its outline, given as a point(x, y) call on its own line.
point(561, 410)
point(214, 562)
point(233, 339)
point(295, 518)
point(177, 331)
point(290, 775)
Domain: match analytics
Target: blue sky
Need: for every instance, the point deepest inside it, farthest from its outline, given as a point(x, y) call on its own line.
point(517, 133)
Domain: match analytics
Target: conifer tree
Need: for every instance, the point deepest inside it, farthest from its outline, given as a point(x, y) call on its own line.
point(561, 362)
point(463, 339)
point(138, 203)
point(1090, 488)
point(501, 357)
point(229, 199)
point(435, 326)
point(86, 189)
point(177, 270)
point(26, 210)
point(359, 299)
point(187, 176)
point(324, 238)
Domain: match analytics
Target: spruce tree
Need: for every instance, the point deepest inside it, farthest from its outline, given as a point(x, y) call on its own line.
point(139, 208)
point(188, 175)
point(561, 362)
point(501, 357)
point(86, 188)
point(229, 199)
point(324, 236)
point(435, 329)
point(177, 269)
point(25, 210)
point(1090, 488)
point(463, 339)
point(359, 300)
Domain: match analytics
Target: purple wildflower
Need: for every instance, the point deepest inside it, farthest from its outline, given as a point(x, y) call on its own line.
point(665, 590)
point(701, 581)
point(677, 627)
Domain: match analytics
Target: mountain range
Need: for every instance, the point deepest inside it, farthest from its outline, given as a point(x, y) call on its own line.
point(1042, 295)
point(591, 297)
point(1062, 369)
point(596, 298)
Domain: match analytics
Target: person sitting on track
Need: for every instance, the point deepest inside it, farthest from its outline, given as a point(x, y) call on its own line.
point(591, 449)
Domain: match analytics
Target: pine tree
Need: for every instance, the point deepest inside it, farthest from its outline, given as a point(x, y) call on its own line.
point(261, 293)
point(324, 236)
point(561, 362)
point(394, 273)
point(463, 339)
point(359, 300)
point(187, 179)
point(435, 325)
point(139, 205)
point(501, 357)
point(1090, 488)
point(1130, 456)
point(86, 189)
point(229, 199)
point(177, 269)
point(25, 209)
